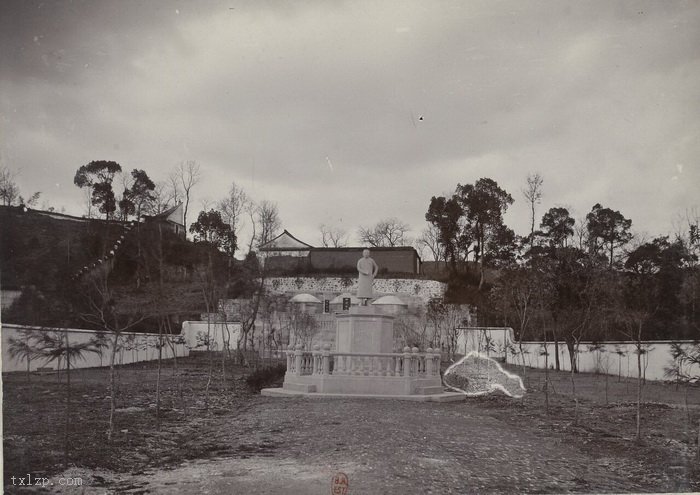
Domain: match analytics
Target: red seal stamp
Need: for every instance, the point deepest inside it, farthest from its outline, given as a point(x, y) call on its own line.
point(339, 484)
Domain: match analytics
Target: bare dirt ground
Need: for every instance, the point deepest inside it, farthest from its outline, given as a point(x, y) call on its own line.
point(246, 443)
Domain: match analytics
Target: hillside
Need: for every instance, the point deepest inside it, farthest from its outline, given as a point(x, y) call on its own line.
point(43, 248)
point(48, 255)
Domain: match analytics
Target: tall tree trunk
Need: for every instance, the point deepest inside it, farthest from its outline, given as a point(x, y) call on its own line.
point(160, 367)
point(546, 372)
point(573, 389)
point(112, 391)
point(66, 435)
point(639, 390)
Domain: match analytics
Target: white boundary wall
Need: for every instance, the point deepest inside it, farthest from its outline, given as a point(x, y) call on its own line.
point(656, 354)
point(135, 347)
point(195, 334)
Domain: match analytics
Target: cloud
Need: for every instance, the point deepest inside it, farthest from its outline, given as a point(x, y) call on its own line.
point(599, 97)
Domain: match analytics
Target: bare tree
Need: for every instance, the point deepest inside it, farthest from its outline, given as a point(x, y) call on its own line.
point(87, 203)
point(9, 191)
point(105, 311)
point(333, 236)
point(233, 208)
point(250, 209)
point(388, 232)
point(163, 199)
point(533, 194)
point(430, 239)
point(185, 177)
point(581, 233)
point(268, 221)
point(303, 325)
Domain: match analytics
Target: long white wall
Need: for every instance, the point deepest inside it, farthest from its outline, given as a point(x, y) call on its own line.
point(196, 334)
point(612, 357)
point(133, 347)
point(656, 357)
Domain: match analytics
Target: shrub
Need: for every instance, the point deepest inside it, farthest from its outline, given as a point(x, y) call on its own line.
point(264, 377)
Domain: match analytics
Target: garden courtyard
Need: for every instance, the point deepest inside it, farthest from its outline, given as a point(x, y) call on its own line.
point(240, 442)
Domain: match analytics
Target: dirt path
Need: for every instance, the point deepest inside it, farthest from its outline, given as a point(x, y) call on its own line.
point(297, 445)
point(246, 443)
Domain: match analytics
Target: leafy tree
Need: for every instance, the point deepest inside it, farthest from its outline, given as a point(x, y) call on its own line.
point(24, 347)
point(502, 247)
point(98, 177)
point(557, 227)
point(136, 198)
point(607, 230)
point(484, 204)
point(210, 228)
point(57, 346)
point(444, 215)
point(667, 266)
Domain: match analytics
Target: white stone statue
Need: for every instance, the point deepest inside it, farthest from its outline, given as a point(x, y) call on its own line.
point(367, 269)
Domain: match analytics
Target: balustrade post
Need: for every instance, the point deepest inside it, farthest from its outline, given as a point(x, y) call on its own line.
point(327, 359)
point(298, 354)
point(290, 361)
point(416, 362)
point(406, 361)
point(429, 362)
point(316, 360)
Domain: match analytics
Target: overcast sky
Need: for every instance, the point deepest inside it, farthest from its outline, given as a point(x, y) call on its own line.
point(347, 112)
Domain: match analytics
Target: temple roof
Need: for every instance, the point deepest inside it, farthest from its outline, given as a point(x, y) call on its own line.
point(174, 214)
point(285, 242)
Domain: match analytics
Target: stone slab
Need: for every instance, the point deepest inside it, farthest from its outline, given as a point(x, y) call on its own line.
point(443, 397)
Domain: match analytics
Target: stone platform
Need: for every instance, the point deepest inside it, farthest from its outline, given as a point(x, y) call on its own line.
point(441, 397)
point(363, 366)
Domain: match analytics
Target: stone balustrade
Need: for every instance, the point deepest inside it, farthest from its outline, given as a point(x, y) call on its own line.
point(323, 362)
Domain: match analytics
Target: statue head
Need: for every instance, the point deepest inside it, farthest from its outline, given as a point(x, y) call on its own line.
point(365, 253)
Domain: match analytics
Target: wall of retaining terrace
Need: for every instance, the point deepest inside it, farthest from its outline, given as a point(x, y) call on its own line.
point(407, 289)
point(134, 347)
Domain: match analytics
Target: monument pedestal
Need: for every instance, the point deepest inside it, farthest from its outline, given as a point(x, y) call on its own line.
point(364, 329)
point(363, 365)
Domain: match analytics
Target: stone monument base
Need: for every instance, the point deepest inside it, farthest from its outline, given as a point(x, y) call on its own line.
point(441, 397)
point(363, 365)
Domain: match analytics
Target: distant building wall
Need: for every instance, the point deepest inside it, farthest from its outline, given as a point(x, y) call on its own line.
point(289, 263)
point(392, 260)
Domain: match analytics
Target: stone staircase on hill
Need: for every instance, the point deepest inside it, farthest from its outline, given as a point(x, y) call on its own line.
point(107, 261)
